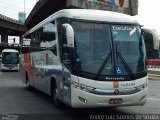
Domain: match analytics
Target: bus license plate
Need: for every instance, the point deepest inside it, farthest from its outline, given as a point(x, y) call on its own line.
point(115, 101)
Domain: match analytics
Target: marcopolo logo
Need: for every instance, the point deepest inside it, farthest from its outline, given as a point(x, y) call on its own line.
point(116, 84)
point(116, 92)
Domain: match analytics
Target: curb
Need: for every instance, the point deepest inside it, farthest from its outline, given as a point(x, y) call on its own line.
point(153, 77)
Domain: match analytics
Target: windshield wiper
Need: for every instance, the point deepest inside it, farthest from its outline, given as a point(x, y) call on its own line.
point(128, 69)
point(103, 65)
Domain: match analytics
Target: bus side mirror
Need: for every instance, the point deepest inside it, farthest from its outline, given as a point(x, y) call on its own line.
point(69, 34)
point(0, 58)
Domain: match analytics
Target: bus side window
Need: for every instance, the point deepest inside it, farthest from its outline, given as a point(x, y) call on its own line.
point(48, 38)
point(35, 41)
point(66, 58)
point(25, 43)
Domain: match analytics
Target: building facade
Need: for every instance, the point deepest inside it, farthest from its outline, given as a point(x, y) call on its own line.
point(129, 7)
point(22, 17)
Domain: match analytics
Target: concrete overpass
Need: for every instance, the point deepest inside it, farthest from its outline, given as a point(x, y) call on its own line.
point(44, 8)
point(9, 46)
point(10, 27)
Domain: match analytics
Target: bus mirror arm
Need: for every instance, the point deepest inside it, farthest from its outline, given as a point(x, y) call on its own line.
point(69, 34)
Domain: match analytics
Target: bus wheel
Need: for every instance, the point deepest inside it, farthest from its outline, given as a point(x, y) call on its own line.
point(54, 93)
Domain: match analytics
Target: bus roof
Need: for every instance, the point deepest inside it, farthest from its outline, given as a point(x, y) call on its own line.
point(88, 14)
point(10, 50)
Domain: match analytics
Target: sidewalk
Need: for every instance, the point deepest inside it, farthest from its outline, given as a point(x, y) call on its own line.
point(154, 74)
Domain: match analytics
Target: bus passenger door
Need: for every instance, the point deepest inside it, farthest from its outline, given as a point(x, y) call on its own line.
point(65, 56)
point(66, 59)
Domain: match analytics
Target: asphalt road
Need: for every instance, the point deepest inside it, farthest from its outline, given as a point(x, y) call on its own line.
point(16, 102)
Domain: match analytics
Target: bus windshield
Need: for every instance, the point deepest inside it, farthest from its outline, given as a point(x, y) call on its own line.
point(10, 58)
point(130, 49)
point(107, 49)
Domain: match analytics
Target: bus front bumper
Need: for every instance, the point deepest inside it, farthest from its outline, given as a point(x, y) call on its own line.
point(82, 99)
point(10, 68)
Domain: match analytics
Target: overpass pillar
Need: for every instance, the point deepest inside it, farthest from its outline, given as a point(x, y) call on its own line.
point(4, 38)
point(20, 40)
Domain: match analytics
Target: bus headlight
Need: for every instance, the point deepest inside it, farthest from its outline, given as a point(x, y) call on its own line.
point(141, 87)
point(82, 87)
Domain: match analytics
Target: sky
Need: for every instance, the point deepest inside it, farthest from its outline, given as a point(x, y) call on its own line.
point(10, 8)
point(148, 13)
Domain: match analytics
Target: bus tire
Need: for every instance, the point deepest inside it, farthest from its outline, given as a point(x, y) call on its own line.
point(54, 94)
point(28, 86)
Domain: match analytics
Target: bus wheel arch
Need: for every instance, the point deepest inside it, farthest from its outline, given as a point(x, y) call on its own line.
point(55, 93)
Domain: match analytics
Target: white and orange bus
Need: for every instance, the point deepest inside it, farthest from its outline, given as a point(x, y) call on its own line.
point(87, 58)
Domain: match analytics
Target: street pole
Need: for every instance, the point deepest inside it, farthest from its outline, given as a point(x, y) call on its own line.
point(24, 6)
